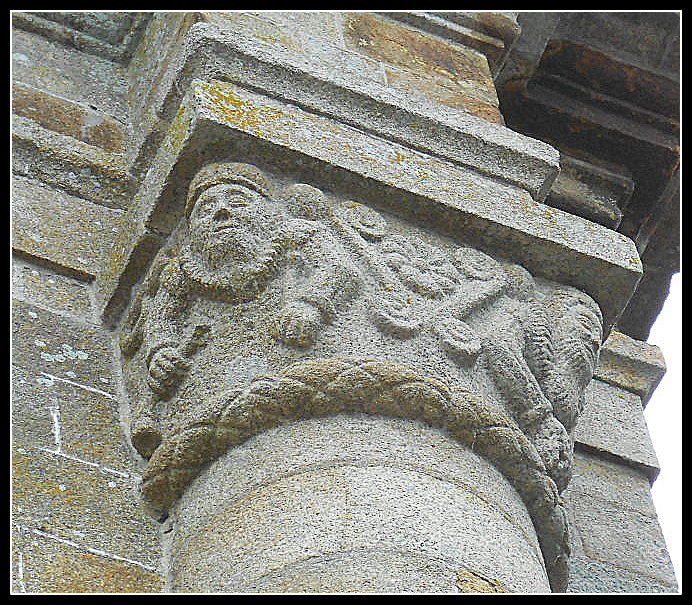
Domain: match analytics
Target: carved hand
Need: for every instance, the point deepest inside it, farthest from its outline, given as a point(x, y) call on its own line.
point(297, 324)
point(166, 368)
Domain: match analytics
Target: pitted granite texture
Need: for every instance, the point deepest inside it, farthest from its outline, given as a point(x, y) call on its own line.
point(295, 507)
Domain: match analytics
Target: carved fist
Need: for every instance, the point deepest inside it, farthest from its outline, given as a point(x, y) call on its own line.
point(166, 368)
point(297, 324)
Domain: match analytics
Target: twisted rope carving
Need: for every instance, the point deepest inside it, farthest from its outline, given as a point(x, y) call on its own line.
point(324, 387)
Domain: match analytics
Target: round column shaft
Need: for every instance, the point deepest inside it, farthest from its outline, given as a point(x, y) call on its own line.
point(353, 503)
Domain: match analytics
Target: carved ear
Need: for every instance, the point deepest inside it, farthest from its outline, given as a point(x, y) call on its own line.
point(305, 201)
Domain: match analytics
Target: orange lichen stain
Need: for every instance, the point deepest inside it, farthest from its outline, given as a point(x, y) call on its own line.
point(398, 158)
point(238, 112)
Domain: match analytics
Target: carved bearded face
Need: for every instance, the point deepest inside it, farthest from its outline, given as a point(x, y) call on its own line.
point(231, 224)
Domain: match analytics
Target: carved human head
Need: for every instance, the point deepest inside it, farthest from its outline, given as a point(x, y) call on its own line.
point(229, 211)
point(242, 175)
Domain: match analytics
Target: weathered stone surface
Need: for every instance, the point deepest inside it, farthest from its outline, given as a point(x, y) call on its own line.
point(64, 416)
point(463, 72)
point(44, 217)
point(339, 86)
point(56, 292)
point(385, 397)
point(452, 199)
point(613, 422)
point(631, 364)
point(593, 576)
point(83, 503)
point(374, 490)
point(73, 119)
point(70, 74)
point(61, 161)
point(46, 564)
point(624, 538)
point(32, 421)
point(590, 191)
point(616, 522)
point(61, 347)
point(490, 33)
point(110, 35)
point(611, 481)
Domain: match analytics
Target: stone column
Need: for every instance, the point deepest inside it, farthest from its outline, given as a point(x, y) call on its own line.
point(353, 503)
point(354, 340)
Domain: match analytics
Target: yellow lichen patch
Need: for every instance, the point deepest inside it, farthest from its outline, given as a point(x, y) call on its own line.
point(75, 571)
point(398, 157)
point(235, 111)
point(179, 130)
point(467, 581)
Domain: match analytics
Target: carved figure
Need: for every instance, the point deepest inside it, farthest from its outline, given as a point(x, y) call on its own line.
point(542, 364)
point(241, 235)
point(237, 239)
point(301, 258)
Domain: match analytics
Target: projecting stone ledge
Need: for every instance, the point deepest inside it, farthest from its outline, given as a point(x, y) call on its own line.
point(332, 81)
point(219, 119)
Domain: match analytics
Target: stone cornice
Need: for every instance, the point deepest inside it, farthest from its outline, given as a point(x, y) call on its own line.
point(490, 33)
point(81, 30)
point(337, 88)
point(631, 364)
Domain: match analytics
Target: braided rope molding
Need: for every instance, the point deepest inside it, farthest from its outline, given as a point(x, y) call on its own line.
point(324, 387)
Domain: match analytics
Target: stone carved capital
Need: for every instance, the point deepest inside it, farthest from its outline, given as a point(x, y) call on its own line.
point(277, 303)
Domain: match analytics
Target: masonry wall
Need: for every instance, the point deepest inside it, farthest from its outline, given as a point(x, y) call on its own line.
point(77, 526)
point(77, 523)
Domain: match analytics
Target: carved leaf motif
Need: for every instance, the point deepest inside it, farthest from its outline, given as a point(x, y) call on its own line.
point(421, 268)
point(562, 341)
point(544, 376)
point(458, 339)
point(392, 314)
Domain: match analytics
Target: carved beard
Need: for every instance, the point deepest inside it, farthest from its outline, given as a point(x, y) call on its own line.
point(236, 262)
